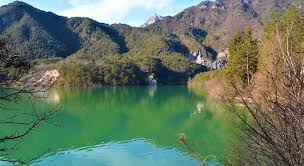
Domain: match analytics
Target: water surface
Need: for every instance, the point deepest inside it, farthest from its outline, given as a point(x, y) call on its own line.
point(129, 126)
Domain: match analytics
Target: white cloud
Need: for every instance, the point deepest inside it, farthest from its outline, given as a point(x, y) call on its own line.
point(3, 2)
point(111, 11)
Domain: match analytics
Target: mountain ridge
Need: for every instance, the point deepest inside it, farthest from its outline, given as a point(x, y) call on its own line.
point(213, 23)
point(169, 51)
point(40, 34)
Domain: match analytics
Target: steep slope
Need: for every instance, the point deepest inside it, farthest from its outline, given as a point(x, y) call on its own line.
point(97, 39)
point(38, 34)
point(213, 23)
point(149, 43)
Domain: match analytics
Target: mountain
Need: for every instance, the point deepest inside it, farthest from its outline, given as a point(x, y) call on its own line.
point(38, 34)
point(153, 19)
point(212, 24)
point(168, 48)
point(209, 25)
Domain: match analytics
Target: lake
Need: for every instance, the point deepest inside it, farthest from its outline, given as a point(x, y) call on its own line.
point(129, 126)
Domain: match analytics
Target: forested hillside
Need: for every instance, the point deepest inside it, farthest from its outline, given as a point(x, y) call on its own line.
point(166, 50)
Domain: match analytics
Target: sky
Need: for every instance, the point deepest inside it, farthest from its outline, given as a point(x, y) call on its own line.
point(132, 12)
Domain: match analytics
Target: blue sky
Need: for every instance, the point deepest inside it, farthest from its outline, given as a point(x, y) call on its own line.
point(133, 12)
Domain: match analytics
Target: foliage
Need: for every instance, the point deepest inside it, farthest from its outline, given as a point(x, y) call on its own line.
point(127, 70)
point(16, 124)
point(178, 63)
point(243, 57)
point(289, 25)
point(208, 84)
point(36, 33)
point(242, 64)
point(273, 130)
point(97, 39)
point(11, 66)
point(79, 73)
point(42, 35)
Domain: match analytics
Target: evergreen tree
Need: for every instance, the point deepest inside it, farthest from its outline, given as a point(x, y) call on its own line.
point(288, 29)
point(243, 57)
point(273, 129)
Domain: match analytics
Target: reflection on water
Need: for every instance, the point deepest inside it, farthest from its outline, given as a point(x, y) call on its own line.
point(152, 117)
point(200, 106)
point(152, 90)
point(53, 97)
point(130, 153)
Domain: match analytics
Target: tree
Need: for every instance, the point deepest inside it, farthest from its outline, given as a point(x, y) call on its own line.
point(18, 123)
point(273, 111)
point(243, 57)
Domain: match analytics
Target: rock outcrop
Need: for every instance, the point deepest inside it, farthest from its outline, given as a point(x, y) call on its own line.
point(212, 5)
point(43, 78)
point(152, 80)
point(154, 19)
point(211, 63)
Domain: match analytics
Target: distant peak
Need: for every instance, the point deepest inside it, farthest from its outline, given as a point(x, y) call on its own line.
point(19, 3)
point(153, 19)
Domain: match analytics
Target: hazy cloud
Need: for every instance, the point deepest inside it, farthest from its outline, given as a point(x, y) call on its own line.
point(4, 2)
point(112, 11)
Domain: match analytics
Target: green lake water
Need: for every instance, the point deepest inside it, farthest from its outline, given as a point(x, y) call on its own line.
point(128, 126)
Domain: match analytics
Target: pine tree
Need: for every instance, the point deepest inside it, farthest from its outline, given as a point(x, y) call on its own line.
point(243, 57)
